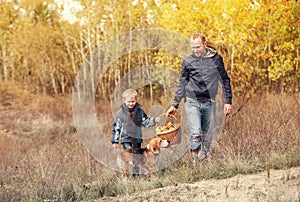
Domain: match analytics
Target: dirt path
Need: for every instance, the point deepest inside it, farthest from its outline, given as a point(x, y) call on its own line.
point(278, 185)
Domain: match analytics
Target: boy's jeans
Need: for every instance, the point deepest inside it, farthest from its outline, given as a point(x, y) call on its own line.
point(127, 145)
point(201, 118)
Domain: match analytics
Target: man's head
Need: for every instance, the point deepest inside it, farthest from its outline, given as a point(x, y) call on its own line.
point(129, 97)
point(198, 43)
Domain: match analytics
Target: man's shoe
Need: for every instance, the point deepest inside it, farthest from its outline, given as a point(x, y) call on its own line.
point(202, 154)
point(195, 155)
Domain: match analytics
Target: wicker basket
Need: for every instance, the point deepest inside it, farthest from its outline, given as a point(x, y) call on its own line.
point(173, 134)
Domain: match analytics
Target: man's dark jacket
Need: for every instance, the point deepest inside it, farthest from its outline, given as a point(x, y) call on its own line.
point(200, 77)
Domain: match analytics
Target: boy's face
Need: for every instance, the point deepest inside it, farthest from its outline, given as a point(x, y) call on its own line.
point(130, 102)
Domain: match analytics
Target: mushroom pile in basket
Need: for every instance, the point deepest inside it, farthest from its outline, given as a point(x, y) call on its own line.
point(165, 128)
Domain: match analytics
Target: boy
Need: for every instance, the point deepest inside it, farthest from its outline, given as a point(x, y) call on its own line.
point(128, 122)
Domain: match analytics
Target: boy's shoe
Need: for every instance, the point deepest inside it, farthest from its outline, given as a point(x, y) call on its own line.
point(135, 171)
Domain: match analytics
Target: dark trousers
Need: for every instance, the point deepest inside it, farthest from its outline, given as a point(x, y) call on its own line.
point(127, 145)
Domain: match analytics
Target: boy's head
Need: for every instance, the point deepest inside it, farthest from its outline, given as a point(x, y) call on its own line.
point(129, 98)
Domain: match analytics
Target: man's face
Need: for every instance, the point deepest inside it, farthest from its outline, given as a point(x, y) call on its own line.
point(130, 102)
point(198, 47)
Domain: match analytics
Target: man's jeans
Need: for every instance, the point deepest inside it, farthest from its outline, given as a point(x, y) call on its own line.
point(201, 118)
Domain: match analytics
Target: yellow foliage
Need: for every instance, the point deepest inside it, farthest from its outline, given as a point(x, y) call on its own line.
point(259, 41)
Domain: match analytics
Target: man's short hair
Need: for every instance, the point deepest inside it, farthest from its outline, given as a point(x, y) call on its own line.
point(198, 35)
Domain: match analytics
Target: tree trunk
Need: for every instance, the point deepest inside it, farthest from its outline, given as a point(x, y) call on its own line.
point(5, 70)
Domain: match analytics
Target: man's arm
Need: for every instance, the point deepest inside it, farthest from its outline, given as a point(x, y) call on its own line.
point(180, 89)
point(226, 86)
point(225, 80)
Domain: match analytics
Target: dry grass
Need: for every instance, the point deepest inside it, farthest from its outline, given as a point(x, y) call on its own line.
point(41, 158)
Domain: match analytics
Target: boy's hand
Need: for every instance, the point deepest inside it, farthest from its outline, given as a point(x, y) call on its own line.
point(157, 119)
point(116, 146)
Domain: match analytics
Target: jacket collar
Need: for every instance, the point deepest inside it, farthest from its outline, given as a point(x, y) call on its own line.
point(210, 52)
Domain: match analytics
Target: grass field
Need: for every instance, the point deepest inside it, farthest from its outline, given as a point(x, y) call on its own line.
point(41, 158)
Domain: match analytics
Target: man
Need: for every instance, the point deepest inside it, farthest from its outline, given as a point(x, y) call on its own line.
point(201, 73)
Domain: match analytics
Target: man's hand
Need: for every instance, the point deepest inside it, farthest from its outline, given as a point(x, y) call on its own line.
point(171, 111)
point(227, 109)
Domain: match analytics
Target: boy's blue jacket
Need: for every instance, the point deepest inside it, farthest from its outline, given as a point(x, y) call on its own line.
point(119, 126)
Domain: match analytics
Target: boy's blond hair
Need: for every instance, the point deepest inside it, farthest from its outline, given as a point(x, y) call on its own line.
point(129, 93)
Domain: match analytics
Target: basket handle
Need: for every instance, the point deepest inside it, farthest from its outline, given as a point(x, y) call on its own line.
point(172, 116)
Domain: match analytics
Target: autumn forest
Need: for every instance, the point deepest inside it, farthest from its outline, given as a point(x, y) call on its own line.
point(45, 43)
